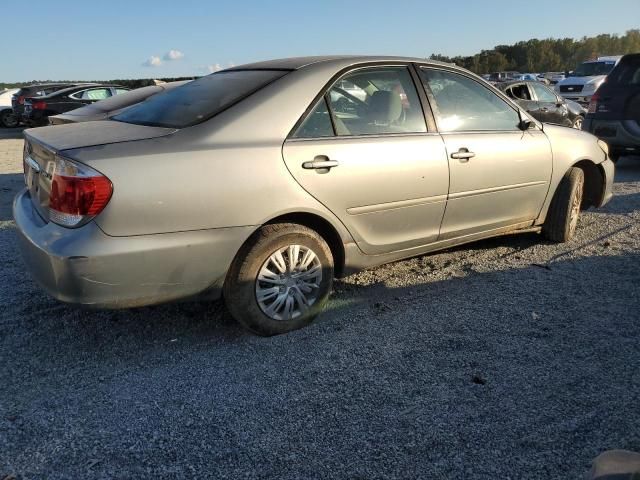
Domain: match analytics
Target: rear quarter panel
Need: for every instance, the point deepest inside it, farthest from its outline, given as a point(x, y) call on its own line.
point(166, 185)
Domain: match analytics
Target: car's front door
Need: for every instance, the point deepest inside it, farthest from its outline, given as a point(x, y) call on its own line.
point(553, 108)
point(364, 151)
point(499, 174)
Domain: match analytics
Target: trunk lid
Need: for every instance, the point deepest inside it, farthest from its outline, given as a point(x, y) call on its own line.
point(41, 146)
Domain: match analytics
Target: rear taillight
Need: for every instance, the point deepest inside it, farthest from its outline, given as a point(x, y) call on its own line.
point(39, 105)
point(593, 103)
point(78, 193)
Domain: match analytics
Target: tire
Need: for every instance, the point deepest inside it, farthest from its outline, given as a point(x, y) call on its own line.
point(281, 301)
point(577, 122)
point(8, 119)
point(562, 217)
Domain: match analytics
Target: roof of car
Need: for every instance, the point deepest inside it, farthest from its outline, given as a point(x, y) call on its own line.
point(66, 90)
point(295, 63)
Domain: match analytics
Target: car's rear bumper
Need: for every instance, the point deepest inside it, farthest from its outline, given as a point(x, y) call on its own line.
point(619, 135)
point(87, 266)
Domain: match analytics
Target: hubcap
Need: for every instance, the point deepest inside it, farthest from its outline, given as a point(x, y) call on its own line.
point(288, 282)
point(9, 120)
point(575, 207)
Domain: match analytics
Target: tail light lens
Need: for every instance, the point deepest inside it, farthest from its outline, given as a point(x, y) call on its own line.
point(39, 105)
point(78, 193)
point(593, 103)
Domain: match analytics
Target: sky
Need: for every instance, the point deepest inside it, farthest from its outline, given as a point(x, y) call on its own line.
point(82, 40)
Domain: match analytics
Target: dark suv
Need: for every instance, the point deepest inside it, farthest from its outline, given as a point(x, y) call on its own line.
point(17, 101)
point(614, 110)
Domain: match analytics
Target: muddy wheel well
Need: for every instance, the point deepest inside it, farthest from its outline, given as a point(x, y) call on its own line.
point(593, 183)
point(325, 229)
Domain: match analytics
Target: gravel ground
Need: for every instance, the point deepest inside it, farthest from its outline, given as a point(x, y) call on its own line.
point(507, 358)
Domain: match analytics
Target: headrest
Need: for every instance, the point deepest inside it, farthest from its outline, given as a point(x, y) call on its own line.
point(385, 107)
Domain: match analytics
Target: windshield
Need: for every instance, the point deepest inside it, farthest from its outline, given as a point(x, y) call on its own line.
point(592, 69)
point(198, 100)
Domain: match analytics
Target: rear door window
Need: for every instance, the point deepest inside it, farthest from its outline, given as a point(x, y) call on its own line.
point(376, 101)
point(94, 94)
point(198, 100)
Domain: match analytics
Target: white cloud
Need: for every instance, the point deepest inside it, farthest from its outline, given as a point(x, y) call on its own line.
point(152, 61)
point(173, 55)
point(214, 68)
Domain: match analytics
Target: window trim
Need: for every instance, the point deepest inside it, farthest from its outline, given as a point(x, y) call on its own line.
point(340, 74)
point(519, 111)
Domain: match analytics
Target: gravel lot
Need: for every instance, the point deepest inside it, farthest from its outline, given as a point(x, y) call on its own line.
point(508, 358)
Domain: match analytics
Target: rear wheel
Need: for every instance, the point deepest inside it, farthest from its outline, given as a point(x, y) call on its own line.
point(562, 217)
point(280, 279)
point(8, 119)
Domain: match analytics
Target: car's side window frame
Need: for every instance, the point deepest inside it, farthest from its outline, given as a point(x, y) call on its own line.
point(425, 107)
point(502, 96)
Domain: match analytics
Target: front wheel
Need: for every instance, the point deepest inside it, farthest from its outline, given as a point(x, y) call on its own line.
point(562, 217)
point(280, 279)
point(8, 119)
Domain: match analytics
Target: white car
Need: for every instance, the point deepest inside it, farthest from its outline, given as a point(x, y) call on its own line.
point(586, 79)
point(7, 119)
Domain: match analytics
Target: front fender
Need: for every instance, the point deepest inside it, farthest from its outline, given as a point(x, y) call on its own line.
point(570, 147)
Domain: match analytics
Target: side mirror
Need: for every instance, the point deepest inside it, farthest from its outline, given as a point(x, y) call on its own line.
point(525, 122)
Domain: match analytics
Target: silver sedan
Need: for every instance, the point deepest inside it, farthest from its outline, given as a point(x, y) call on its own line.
point(263, 182)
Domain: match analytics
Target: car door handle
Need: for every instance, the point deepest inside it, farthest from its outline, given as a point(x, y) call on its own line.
point(320, 162)
point(544, 109)
point(463, 155)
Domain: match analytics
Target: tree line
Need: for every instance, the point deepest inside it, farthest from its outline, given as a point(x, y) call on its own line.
point(548, 55)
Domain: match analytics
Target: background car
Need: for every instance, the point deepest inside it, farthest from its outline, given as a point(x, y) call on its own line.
point(7, 118)
point(497, 77)
point(544, 104)
point(582, 83)
point(31, 91)
point(258, 182)
point(38, 109)
point(103, 109)
point(554, 77)
point(614, 111)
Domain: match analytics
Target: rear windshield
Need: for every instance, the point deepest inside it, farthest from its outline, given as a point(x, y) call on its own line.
point(198, 100)
point(627, 72)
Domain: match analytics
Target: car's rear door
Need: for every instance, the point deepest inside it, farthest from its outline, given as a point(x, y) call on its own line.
point(499, 174)
point(368, 156)
point(619, 98)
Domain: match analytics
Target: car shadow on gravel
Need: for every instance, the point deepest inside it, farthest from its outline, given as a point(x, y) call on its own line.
point(10, 185)
point(496, 367)
point(207, 323)
point(11, 133)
